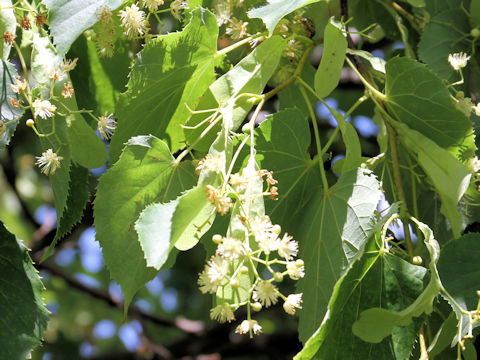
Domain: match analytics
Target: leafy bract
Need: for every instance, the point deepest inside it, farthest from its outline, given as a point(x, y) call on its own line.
point(437, 6)
point(440, 38)
point(332, 234)
point(375, 324)
point(8, 23)
point(289, 161)
point(70, 18)
point(179, 223)
point(8, 112)
point(449, 177)
point(170, 71)
point(333, 57)
point(376, 279)
point(249, 76)
point(144, 174)
point(24, 315)
point(419, 99)
point(272, 12)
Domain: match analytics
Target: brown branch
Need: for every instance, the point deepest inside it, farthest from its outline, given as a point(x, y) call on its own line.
point(179, 323)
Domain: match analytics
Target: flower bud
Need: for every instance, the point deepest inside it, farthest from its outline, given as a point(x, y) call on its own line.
point(244, 270)
point(478, 293)
point(246, 128)
point(278, 277)
point(277, 229)
point(30, 123)
point(234, 283)
point(417, 260)
point(299, 263)
point(475, 32)
point(217, 239)
point(257, 306)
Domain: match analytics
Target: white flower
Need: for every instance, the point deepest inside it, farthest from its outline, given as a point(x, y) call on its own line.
point(287, 248)
point(266, 293)
point(247, 326)
point(206, 286)
point(237, 29)
point(133, 21)
point(293, 302)
point(49, 162)
point(68, 64)
point(223, 13)
point(295, 271)
point(176, 6)
point(465, 105)
point(222, 313)
point(265, 234)
point(230, 248)
point(458, 60)
point(20, 86)
point(43, 108)
point(152, 5)
point(477, 109)
point(212, 162)
point(217, 268)
point(240, 182)
point(474, 164)
point(106, 126)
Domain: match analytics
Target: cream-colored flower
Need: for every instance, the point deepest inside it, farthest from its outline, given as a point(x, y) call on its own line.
point(133, 21)
point(222, 313)
point(266, 293)
point(240, 182)
point(237, 29)
point(295, 270)
point(465, 105)
point(19, 86)
point(230, 248)
point(206, 286)
point(43, 108)
point(249, 326)
point(287, 248)
point(293, 302)
point(106, 126)
point(49, 162)
point(458, 60)
point(152, 5)
point(265, 234)
point(176, 8)
point(211, 162)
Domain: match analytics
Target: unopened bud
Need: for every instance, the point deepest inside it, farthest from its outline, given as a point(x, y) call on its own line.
point(244, 270)
point(417, 260)
point(246, 128)
point(478, 293)
point(217, 239)
point(256, 306)
point(299, 263)
point(30, 122)
point(475, 32)
point(234, 283)
point(278, 277)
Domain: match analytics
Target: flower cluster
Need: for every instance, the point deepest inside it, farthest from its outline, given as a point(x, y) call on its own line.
point(254, 257)
point(133, 21)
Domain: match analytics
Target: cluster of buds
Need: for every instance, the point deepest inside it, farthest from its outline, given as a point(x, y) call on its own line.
point(254, 257)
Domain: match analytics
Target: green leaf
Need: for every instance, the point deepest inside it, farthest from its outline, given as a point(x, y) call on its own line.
point(459, 270)
point(441, 38)
point(272, 12)
point(78, 195)
point(70, 18)
point(86, 147)
point(367, 12)
point(417, 3)
point(376, 279)
point(8, 112)
point(289, 161)
point(419, 99)
point(378, 64)
point(170, 71)
point(143, 175)
point(436, 6)
point(448, 175)
point(250, 75)
point(353, 154)
point(8, 22)
point(24, 315)
point(179, 223)
point(330, 68)
point(377, 323)
point(333, 233)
